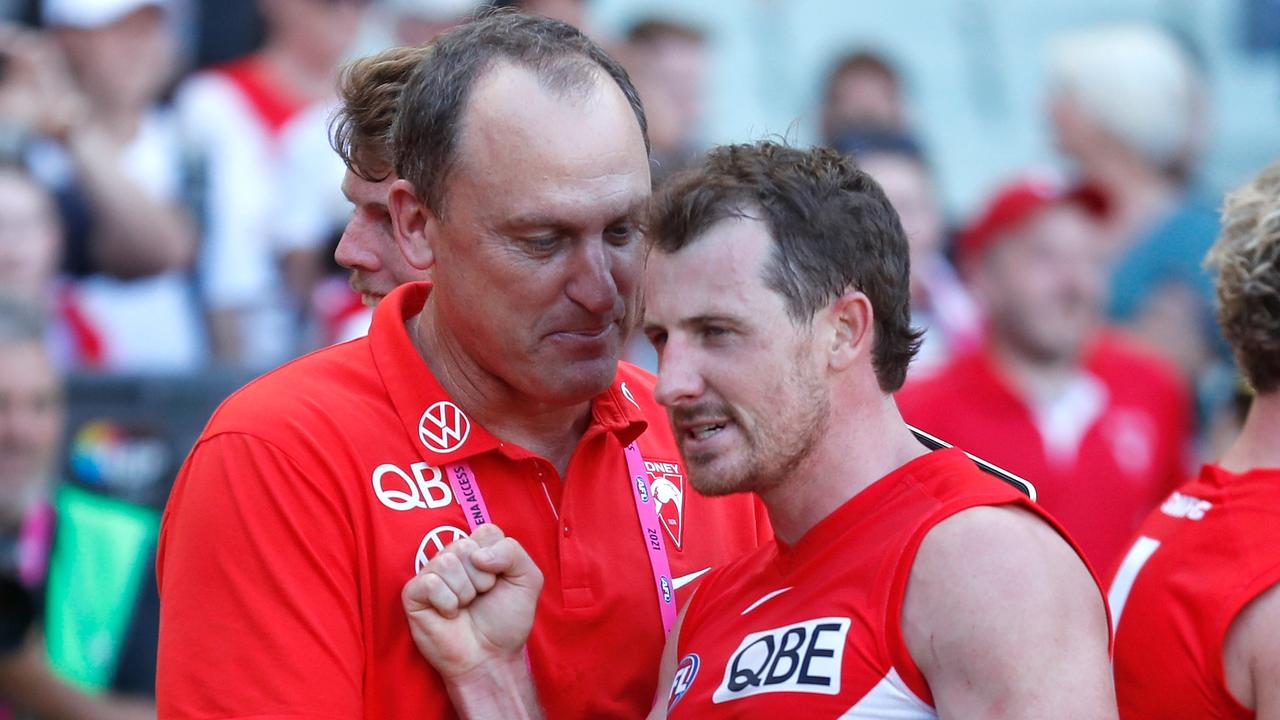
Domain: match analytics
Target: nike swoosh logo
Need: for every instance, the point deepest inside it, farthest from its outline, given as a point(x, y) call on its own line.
point(683, 580)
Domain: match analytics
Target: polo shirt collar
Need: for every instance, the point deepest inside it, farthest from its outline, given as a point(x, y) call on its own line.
point(436, 425)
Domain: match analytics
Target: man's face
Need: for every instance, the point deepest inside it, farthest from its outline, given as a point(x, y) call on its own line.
point(745, 387)
point(127, 62)
point(537, 249)
point(368, 246)
point(30, 424)
point(1042, 284)
point(30, 239)
point(863, 98)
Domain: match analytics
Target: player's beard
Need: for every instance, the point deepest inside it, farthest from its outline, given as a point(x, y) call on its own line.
point(773, 443)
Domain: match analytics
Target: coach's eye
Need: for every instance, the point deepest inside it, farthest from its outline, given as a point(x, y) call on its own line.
point(620, 234)
point(542, 243)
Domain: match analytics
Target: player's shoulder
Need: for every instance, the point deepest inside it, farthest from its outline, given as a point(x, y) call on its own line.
point(1001, 556)
point(328, 383)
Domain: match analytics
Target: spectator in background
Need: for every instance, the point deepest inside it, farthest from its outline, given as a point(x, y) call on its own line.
point(234, 116)
point(862, 92)
point(90, 91)
point(31, 412)
point(1195, 603)
point(414, 22)
point(573, 12)
point(30, 252)
point(667, 61)
point(939, 301)
point(1098, 426)
point(1127, 107)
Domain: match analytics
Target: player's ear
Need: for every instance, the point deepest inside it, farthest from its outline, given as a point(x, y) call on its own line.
point(849, 319)
point(414, 225)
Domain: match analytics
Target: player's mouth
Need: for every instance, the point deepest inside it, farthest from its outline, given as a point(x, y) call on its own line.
point(702, 432)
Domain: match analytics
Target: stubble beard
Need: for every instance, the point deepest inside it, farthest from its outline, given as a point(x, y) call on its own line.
point(774, 451)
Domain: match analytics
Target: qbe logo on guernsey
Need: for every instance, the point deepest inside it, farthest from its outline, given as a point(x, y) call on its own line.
point(443, 427)
point(804, 657)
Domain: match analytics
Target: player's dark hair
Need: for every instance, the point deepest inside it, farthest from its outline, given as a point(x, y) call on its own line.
point(433, 101)
point(832, 226)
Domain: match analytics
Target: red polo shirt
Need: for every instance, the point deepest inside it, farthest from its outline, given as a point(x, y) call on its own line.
point(317, 491)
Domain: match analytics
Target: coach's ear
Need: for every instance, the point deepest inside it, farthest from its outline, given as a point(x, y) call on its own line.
point(850, 330)
point(413, 223)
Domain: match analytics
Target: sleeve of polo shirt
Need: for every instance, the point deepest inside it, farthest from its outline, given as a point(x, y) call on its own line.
point(259, 615)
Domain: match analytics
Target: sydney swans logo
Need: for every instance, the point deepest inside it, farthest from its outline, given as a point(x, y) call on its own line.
point(443, 427)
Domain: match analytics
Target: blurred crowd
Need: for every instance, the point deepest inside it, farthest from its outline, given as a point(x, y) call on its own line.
point(160, 219)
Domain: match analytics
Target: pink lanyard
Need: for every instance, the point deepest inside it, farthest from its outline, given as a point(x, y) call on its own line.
point(467, 492)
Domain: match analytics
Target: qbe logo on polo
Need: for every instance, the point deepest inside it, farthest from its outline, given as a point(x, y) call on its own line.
point(804, 657)
point(686, 671)
point(443, 427)
point(405, 492)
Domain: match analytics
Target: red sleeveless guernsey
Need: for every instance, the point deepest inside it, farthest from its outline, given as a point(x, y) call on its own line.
point(1198, 560)
point(814, 630)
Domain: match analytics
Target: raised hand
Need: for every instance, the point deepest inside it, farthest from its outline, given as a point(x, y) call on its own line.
point(473, 604)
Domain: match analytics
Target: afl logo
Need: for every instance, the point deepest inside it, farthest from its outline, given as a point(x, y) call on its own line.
point(686, 671)
point(435, 541)
point(443, 427)
point(642, 489)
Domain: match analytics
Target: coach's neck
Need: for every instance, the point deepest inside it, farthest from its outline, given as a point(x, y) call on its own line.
point(550, 431)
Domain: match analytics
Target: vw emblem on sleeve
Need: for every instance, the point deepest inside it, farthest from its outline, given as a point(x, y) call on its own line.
point(435, 541)
point(443, 427)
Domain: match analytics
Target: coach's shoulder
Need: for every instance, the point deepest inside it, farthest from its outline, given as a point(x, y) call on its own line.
point(331, 382)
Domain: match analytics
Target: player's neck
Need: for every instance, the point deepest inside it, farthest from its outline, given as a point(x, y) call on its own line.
point(863, 444)
point(550, 431)
point(1256, 446)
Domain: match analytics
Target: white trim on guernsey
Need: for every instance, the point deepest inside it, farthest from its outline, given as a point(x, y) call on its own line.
point(890, 699)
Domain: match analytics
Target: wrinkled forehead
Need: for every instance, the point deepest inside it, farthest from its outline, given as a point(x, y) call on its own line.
point(527, 148)
point(516, 114)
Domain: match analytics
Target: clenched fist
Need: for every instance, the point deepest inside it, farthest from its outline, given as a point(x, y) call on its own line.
point(472, 605)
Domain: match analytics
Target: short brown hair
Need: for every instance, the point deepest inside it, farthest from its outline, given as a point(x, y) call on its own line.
point(369, 94)
point(832, 226)
point(429, 118)
point(1247, 258)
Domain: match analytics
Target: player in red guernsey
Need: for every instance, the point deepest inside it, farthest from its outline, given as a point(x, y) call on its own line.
point(902, 583)
point(1195, 601)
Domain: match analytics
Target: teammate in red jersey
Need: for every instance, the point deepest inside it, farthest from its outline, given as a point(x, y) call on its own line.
point(902, 583)
point(318, 491)
point(1195, 601)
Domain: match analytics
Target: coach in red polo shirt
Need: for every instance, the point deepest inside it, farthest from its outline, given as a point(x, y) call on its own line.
point(320, 489)
point(1096, 423)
